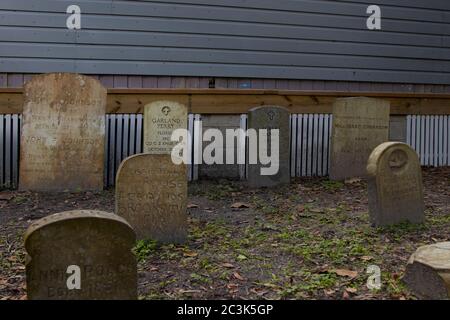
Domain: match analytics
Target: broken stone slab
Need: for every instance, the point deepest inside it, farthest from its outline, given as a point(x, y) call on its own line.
point(428, 272)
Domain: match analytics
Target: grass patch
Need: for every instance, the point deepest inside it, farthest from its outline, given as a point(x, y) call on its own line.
point(144, 248)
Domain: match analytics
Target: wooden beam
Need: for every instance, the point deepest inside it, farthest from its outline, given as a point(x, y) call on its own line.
point(226, 101)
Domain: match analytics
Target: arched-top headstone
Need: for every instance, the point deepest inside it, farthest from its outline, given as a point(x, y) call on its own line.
point(94, 246)
point(359, 125)
point(161, 118)
point(151, 194)
point(428, 271)
point(395, 185)
point(270, 117)
point(63, 133)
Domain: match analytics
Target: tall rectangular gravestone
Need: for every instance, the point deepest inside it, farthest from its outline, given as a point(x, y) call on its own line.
point(359, 125)
point(81, 255)
point(269, 118)
point(395, 185)
point(63, 134)
point(161, 119)
point(151, 194)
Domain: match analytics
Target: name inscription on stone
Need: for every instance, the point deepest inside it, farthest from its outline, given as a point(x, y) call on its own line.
point(151, 194)
point(98, 243)
point(161, 118)
point(359, 125)
point(62, 142)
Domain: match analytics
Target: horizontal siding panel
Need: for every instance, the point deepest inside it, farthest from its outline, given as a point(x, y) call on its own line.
point(198, 23)
point(82, 52)
point(215, 9)
point(121, 39)
point(303, 39)
point(219, 70)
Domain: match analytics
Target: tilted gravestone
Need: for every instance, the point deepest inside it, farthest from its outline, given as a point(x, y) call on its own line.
point(427, 274)
point(151, 194)
point(161, 118)
point(63, 134)
point(395, 185)
point(81, 255)
point(270, 117)
point(359, 125)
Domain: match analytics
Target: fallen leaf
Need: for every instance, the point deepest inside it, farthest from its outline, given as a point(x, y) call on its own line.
point(300, 208)
point(322, 269)
point(188, 291)
point(190, 254)
point(366, 258)
point(240, 205)
point(6, 196)
point(259, 292)
point(228, 265)
point(329, 292)
point(238, 276)
point(241, 257)
point(233, 287)
point(352, 180)
point(316, 210)
point(345, 295)
point(345, 273)
point(192, 206)
point(270, 285)
point(351, 290)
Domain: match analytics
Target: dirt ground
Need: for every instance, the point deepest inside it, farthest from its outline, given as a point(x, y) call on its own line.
point(309, 240)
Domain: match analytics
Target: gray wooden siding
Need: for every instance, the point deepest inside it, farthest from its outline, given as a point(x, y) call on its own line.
point(284, 39)
point(17, 80)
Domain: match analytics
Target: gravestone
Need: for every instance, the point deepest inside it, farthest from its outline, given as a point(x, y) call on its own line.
point(395, 185)
point(151, 194)
point(427, 274)
point(98, 243)
point(359, 125)
point(161, 118)
point(270, 117)
point(225, 170)
point(63, 134)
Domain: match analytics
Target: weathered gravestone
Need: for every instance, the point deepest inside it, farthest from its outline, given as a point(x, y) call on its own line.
point(395, 185)
point(161, 118)
point(359, 125)
point(227, 169)
point(428, 272)
point(151, 194)
point(94, 245)
point(269, 117)
point(63, 134)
